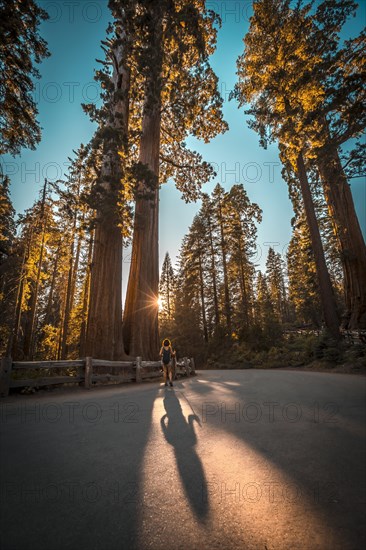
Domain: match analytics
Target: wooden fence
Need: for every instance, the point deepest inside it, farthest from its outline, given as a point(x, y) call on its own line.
point(82, 372)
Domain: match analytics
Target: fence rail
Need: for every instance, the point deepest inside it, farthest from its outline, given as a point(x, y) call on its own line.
point(84, 373)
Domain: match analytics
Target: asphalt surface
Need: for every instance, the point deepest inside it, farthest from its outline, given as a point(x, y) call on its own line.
point(225, 460)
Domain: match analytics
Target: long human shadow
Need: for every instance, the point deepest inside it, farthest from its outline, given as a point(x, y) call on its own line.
point(180, 434)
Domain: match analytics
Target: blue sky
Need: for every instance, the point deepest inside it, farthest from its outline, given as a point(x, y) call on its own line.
point(73, 34)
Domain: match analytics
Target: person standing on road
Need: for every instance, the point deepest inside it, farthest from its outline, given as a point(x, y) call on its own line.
point(167, 354)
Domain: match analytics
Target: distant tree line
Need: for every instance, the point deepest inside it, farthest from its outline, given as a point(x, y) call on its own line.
point(217, 297)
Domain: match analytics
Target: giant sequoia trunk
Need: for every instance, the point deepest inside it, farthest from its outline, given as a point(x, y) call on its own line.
point(140, 321)
point(325, 286)
point(104, 327)
point(349, 236)
point(104, 332)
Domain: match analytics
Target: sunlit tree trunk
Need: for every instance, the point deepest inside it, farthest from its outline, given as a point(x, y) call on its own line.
point(326, 291)
point(29, 332)
point(71, 284)
point(65, 327)
point(349, 236)
point(86, 297)
point(104, 327)
point(12, 347)
point(104, 332)
point(48, 315)
point(140, 322)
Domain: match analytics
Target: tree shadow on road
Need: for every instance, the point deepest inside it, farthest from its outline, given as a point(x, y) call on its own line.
point(315, 436)
point(180, 433)
point(94, 465)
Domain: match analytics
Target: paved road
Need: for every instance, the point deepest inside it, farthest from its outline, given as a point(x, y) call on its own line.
point(228, 459)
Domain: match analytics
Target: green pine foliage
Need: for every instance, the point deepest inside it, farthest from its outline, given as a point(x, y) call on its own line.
point(21, 50)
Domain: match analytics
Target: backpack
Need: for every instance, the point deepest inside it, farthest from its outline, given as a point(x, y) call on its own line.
point(166, 356)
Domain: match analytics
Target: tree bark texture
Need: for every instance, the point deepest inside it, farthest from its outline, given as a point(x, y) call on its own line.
point(104, 338)
point(349, 237)
point(325, 286)
point(140, 321)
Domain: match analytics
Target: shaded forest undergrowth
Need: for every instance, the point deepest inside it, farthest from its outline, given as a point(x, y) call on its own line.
point(305, 351)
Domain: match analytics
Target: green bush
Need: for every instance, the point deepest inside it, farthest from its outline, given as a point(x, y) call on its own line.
point(332, 354)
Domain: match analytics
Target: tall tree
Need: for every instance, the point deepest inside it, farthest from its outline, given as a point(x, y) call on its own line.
point(7, 224)
point(104, 337)
point(267, 322)
point(8, 261)
point(212, 251)
point(180, 97)
point(341, 116)
point(166, 290)
point(324, 87)
point(280, 104)
point(75, 213)
point(303, 283)
point(220, 203)
point(190, 314)
point(241, 236)
point(276, 283)
point(20, 50)
point(35, 283)
point(31, 249)
point(141, 308)
point(201, 277)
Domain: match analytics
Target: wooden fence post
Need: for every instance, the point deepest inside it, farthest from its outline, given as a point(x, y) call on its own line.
point(88, 372)
point(5, 375)
point(193, 366)
point(186, 365)
point(138, 369)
